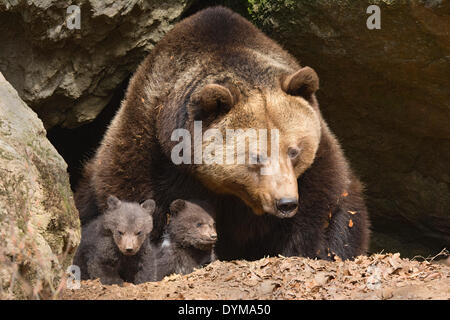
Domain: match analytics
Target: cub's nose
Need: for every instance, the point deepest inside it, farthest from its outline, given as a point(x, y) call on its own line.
point(214, 236)
point(129, 250)
point(287, 205)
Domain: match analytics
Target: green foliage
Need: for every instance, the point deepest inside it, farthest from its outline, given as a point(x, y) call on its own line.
point(261, 12)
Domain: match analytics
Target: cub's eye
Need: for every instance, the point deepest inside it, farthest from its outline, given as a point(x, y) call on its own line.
point(138, 233)
point(199, 224)
point(293, 153)
point(121, 233)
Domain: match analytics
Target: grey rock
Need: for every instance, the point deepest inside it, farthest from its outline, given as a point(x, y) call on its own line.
point(68, 75)
point(39, 224)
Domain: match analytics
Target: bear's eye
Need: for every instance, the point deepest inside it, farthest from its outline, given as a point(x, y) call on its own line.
point(138, 233)
point(199, 224)
point(120, 232)
point(293, 153)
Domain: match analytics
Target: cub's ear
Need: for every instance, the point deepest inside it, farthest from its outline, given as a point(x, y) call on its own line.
point(177, 205)
point(214, 97)
point(302, 83)
point(112, 202)
point(149, 205)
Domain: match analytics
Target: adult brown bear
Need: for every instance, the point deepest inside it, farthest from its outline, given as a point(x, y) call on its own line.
point(217, 68)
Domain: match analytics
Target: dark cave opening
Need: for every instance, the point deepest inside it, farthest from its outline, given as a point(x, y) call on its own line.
point(78, 145)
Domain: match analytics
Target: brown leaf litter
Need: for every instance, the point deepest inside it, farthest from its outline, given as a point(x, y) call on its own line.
point(379, 276)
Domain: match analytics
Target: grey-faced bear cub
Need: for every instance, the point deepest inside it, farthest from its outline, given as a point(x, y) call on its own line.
point(189, 241)
point(112, 245)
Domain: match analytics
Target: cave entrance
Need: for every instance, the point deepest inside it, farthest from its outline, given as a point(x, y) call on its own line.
point(77, 145)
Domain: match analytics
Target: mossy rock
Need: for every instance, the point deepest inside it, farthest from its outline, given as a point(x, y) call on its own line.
point(39, 224)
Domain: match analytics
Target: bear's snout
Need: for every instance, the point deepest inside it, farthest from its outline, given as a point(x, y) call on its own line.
point(279, 192)
point(287, 206)
point(129, 245)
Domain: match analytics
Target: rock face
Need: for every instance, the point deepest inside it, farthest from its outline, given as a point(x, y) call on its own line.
point(68, 75)
point(39, 225)
point(386, 95)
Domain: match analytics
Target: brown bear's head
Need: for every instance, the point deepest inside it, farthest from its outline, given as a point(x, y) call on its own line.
point(129, 222)
point(192, 224)
point(234, 116)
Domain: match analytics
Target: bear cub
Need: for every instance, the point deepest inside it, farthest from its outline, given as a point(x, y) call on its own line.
point(188, 242)
point(113, 245)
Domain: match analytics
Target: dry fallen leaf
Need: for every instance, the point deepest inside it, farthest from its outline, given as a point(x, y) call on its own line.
point(435, 275)
point(352, 212)
point(267, 287)
point(386, 293)
point(321, 278)
point(350, 223)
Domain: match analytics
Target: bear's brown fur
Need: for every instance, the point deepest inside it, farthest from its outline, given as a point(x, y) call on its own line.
point(188, 243)
point(218, 68)
point(114, 245)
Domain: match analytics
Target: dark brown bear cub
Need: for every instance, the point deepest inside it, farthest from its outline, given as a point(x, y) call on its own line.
point(188, 242)
point(112, 245)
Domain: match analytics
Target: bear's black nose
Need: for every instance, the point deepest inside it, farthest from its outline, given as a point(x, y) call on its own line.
point(287, 205)
point(129, 250)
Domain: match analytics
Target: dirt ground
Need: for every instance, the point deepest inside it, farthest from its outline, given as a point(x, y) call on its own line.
point(380, 276)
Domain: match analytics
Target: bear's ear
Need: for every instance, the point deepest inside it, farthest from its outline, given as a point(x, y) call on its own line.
point(149, 205)
point(214, 97)
point(177, 206)
point(112, 202)
point(303, 83)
